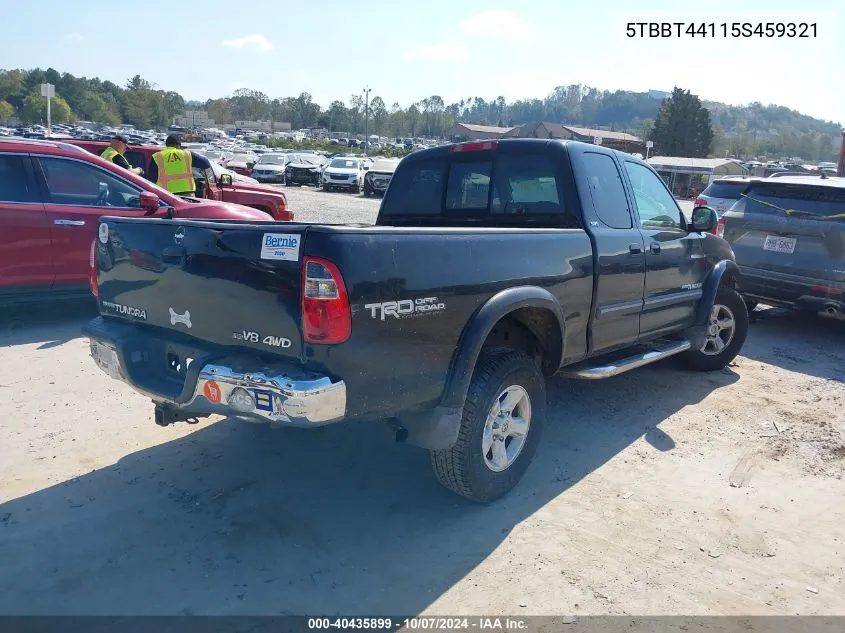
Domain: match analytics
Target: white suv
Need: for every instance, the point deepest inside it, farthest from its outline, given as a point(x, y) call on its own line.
point(345, 173)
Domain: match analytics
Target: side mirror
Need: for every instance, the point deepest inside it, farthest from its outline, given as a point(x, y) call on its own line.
point(148, 201)
point(704, 219)
point(226, 180)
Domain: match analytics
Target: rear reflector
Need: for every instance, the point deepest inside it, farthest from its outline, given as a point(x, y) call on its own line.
point(326, 316)
point(473, 147)
point(92, 270)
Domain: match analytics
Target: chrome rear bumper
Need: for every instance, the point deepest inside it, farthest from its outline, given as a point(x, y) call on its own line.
point(240, 387)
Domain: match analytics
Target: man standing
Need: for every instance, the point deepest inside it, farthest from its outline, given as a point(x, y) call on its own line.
point(115, 153)
point(172, 168)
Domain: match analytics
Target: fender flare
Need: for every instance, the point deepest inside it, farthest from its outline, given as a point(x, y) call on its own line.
point(478, 329)
point(711, 287)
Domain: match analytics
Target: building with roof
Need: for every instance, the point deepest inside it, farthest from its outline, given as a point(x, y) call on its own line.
point(686, 177)
point(606, 138)
point(470, 132)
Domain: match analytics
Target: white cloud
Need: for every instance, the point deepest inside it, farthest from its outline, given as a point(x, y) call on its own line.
point(444, 51)
point(498, 22)
point(73, 37)
point(255, 39)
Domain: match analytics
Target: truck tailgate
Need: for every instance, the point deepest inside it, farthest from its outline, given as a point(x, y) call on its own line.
point(227, 283)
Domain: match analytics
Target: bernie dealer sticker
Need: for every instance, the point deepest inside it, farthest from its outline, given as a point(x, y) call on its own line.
point(284, 246)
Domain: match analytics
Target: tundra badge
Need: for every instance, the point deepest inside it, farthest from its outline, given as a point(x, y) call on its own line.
point(184, 319)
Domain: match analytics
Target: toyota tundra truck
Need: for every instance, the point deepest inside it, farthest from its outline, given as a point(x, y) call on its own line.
point(492, 266)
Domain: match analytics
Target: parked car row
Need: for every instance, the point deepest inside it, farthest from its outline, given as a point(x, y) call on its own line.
point(53, 193)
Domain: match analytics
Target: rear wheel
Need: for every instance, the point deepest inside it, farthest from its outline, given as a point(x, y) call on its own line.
point(500, 428)
point(727, 327)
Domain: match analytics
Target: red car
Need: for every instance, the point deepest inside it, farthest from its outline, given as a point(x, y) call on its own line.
point(214, 186)
point(51, 196)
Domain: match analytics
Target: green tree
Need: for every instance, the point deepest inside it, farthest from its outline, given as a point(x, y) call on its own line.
point(11, 83)
point(7, 111)
point(219, 111)
point(92, 107)
point(682, 126)
point(413, 117)
point(35, 109)
point(378, 114)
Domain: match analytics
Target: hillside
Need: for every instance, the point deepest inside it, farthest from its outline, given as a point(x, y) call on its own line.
point(764, 131)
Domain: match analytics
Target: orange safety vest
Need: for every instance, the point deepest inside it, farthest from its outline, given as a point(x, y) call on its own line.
point(175, 170)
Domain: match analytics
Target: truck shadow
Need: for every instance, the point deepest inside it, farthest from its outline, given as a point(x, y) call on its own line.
point(236, 518)
point(50, 325)
point(821, 351)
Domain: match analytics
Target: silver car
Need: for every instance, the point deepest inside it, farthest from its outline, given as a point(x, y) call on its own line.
point(721, 194)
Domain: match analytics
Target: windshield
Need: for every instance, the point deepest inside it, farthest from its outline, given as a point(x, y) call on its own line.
point(272, 159)
point(344, 163)
point(241, 158)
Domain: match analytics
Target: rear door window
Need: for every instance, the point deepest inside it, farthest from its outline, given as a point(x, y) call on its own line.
point(607, 190)
point(15, 182)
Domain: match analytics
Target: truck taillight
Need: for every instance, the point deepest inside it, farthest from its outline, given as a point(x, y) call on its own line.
point(719, 229)
point(92, 270)
point(326, 315)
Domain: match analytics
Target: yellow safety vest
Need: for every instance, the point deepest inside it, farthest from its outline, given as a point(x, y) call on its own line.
point(174, 170)
point(109, 153)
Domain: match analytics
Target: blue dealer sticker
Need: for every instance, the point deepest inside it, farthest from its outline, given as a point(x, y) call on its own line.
point(283, 246)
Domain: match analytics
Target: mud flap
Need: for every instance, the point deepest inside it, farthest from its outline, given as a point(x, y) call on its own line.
point(434, 430)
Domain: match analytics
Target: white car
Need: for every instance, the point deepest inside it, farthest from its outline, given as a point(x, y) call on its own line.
point(345, 173)
point(270, 168)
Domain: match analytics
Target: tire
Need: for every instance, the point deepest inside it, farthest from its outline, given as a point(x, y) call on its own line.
point(464, 468)
point(368, 193)
point(728, 303)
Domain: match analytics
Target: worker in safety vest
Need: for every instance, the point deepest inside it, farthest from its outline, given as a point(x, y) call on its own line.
point(115, 153)
point(172, 168)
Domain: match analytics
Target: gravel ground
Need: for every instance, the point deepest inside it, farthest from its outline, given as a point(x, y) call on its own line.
point(315, 205)
point(659, 492)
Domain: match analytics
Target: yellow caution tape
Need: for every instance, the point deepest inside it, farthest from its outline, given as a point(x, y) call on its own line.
point(838, 216)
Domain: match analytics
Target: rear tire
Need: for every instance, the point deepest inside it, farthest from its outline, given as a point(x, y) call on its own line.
point(470, 468)
point(721, 345)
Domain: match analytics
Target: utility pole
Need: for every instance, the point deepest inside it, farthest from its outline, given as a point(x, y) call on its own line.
point(366, 120)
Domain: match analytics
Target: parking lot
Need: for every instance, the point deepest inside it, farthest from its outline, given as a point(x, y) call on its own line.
point(314, 205)
point(658, 492)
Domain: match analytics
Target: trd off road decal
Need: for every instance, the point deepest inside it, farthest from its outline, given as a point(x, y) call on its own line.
point(405, 308)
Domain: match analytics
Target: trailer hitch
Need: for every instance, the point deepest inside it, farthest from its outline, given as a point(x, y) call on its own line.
point(166, 415)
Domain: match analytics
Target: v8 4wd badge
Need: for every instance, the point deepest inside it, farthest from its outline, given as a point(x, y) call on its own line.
point(254, 337)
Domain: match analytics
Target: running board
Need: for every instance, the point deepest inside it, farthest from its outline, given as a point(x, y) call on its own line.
point(626, 364)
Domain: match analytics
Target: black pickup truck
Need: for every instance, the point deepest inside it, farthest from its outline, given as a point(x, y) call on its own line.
point(491, 266)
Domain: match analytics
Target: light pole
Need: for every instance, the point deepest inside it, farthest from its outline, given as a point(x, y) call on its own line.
point(48, 90)
point(366, 120)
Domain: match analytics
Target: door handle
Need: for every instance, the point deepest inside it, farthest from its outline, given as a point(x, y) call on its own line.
point(69, 222)
point(635, 248)
point(655, 247)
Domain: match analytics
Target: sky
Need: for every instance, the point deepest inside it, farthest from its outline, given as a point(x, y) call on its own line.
point(406, 50)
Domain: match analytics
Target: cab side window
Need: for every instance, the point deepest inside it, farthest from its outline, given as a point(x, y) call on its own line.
point(77, 183)
point(607, 190)
point(655, 205)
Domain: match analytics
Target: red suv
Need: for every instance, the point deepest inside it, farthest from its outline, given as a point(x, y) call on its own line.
point(51, 195)
point(214, 186)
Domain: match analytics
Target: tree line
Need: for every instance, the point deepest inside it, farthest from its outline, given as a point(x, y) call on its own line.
point(741, 131)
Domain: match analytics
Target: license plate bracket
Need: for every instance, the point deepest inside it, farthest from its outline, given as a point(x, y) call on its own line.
point(778, 244)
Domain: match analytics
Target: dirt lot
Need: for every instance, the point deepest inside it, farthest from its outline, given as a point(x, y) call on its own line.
point(628, 508)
